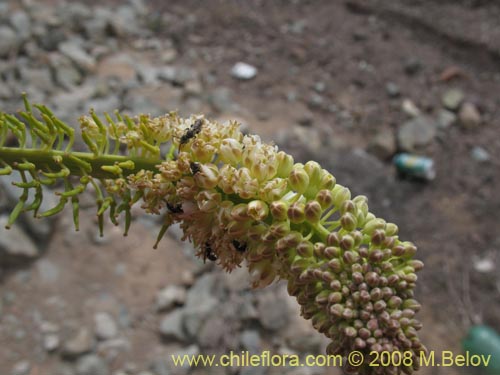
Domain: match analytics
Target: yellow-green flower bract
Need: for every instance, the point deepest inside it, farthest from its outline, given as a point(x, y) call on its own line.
point(242, 201)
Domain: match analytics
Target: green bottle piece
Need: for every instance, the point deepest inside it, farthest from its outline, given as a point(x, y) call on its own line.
point(483, 340)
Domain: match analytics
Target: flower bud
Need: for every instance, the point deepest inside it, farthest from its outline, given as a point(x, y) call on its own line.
point(332, 252)
point(230, 151)
point(305, 249)
point(350, 257)
point(411, 304)
point(348, 221)
point(277, 231)
point(378, 236)
point(313, 211)
point(257, 231)
point(279, 210)
point(298, 179)
point(238, 229)
point(285, 164)
point(318, 249)
point(348, 206)
point(324, 198)
point(240, 212)
point(417, 265)
point(315, 173)
point(335, 265)
point(391, 229)
point(273, 189)
point(328, 181)
point(258, 210)
point(335, 297)
point(373, 225)
point(296, 212)
point(333, 239)
point(340, 195)
point(347, 242)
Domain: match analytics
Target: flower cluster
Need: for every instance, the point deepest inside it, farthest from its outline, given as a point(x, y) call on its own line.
point(239, 199)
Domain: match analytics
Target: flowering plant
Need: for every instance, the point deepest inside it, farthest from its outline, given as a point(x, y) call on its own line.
point(238, 200)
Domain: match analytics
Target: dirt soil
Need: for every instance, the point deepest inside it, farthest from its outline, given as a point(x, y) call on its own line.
point(354, 48)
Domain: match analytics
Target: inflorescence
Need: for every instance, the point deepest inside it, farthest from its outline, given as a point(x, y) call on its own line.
point(237, 200)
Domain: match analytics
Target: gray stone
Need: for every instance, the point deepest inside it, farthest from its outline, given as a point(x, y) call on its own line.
point(161, 366)
point(383, 145)
point(410, 108)
point(120, 66)
point(124, 22)
point(51, 342)
point(38, 77)
point(91, 365)
point(21, 22)
point(15, 245)
point(392, 90)
point(171, 327)
point(469, 116)
point(250, 341)
point(480, 155)
point(273, 310)
point(243, 71)
point(21, 368)
point(416, 133)
point(199, 304)
point(212, 332)
point(169, 297)
point(445, 119)
point(65, 72)
point(47, 271)
point(452, 99)
point(105, 326)
point(8, 41)
point(412, 66)
point(220, 100)
point(74, 51)
point(177, 75)
point(79, 344)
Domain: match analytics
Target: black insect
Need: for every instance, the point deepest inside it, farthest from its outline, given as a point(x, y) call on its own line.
point(175, 208)
point(195, 167)
point(240, 247)
point(209, 253)
point(190, 133)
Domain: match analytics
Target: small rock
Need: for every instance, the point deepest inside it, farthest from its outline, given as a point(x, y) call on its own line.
point(272, 310)
point(119, 66)
point(416, 133)
point(177, 75)
point(469, 116)
point(383, 145)
point(168, 56)
point(8, 41)
point(320, 86)
point(193, 87)
point(412, 66)
point(220, 100)
point(169, 297)
point(480, 155)
point(452, 99)
point(15, 246)
point(162, 366)
point(48, 327)
point(65, 72)
point(91, 364)
point(48, 271)
point(21, 368)
point(392, 90)
point(213, 331)
point(74, 51)
point(410, 108)
point(445, 119)
point(484, 265)
point(105, 326)
point(243, 71)
point(171, 326)
point(250, 341)
point(51, 342)
point(21, 22)
point(79, 344)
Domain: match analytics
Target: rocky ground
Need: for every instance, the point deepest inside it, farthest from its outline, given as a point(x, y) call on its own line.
point(348, 84)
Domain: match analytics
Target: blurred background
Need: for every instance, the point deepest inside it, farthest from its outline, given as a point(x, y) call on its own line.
point(347, 83)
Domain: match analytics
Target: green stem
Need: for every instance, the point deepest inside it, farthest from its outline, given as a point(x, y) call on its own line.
point(46, 161)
